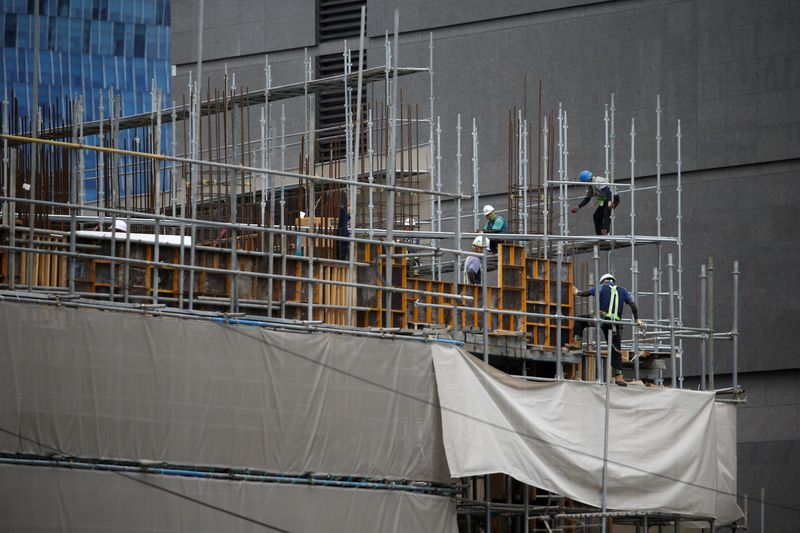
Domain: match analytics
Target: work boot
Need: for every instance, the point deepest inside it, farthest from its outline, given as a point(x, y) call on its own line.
point(620, 380)
point(604, 231)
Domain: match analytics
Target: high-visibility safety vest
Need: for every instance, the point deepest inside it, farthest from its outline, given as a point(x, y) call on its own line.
point(599, 183)
point(613, 304)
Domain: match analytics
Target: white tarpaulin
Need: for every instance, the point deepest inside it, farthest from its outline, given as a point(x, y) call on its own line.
point(663, 447)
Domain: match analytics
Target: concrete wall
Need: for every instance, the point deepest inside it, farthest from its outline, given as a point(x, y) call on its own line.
point(728, 69)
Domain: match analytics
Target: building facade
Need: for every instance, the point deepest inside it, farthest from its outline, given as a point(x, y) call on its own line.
point(727, 69)
point(89, 49)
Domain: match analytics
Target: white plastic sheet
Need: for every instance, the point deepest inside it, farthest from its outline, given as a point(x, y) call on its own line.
point(664, 451)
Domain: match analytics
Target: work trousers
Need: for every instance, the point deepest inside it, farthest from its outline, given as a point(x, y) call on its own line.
point(616, 353)
point(602, 216)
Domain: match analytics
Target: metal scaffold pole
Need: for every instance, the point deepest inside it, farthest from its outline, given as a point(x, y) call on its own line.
point(710, 323)
point(677, 375)
point(704, 335)
point(438, 198)
point(457, 246)
point(268, 182)
point(545, 189)
point(355, 172)
point(391, 179)
point(636, 330)
point(735, 329)
point(475, 187)
point(633, 193)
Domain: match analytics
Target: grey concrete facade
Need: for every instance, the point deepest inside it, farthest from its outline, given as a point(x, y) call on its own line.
point(728, 69)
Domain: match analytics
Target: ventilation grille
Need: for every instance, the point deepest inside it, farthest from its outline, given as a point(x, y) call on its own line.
point(338, 19)
point(330, 109)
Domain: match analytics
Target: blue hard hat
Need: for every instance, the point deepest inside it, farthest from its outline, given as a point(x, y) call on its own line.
point(584, 176)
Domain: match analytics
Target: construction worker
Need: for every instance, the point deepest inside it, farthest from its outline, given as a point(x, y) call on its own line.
point(472, 266)
point(607, 199)
point(494, 224)
point(612, 301)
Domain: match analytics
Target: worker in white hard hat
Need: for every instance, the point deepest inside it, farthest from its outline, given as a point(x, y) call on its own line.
point(472, 266)
point(494, 224)
point(612, 302)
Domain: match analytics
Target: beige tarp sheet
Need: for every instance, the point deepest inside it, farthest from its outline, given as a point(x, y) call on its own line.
point(36, 499)
point(123, 386)
point(665, 448)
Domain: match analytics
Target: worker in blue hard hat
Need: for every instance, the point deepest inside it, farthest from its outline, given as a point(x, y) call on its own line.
point(599, 188)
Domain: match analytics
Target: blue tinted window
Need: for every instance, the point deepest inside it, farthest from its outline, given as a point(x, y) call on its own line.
point(75, 31)
point(24, 32)
point(17, 6)
point(100, 9)
point(63, 8)
point(119, 39)
point(115, 11)
point(139, 41)
point(149, 11)
point(11, 30)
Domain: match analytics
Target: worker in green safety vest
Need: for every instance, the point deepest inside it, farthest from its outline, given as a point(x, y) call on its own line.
point(612, 301)
point(599, 188)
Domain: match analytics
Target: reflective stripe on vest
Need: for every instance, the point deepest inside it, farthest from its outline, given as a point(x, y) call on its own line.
point(613, 304)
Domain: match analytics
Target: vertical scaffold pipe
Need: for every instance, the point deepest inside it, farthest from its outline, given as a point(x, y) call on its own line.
point(560, 170)
point(677, 377)
point(545, 188)
point(457, 247)
point(559, 320)
point(35, 160)
point(598, 331)
point(735, 330)
point(438, 189)
point(636, 330)
point(710, 323)
point(391, 179)
point(565, 176)
point(355, 172)
point(475, 183)
point(284, 251)
point(633, 193)
point(703, 334)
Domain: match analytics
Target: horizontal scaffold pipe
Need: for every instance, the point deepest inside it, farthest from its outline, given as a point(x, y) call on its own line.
point(245, 273)
point(579, 239)
point(19, 139)
point(65, 300)
point(214, 224)
point(539, 315)
point(163, 468)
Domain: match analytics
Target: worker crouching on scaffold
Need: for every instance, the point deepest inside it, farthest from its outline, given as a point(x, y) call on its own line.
point(599, 188)
point(612, 302)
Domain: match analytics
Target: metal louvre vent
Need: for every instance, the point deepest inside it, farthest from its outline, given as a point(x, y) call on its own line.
point(338, 19)
point(330, 109)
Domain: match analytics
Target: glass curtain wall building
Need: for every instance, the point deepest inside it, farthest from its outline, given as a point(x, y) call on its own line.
point(87, 47)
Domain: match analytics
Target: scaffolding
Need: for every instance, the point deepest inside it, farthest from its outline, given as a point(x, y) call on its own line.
point(260, 228)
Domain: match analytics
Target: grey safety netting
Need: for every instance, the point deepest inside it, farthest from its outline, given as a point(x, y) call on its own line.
point(34, 499)
point(128, 387)
point(669, 450)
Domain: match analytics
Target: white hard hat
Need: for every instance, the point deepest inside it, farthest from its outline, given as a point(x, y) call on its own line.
point(482, 242)
point(487, 209)
point(607, 277)
point(120, 225)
